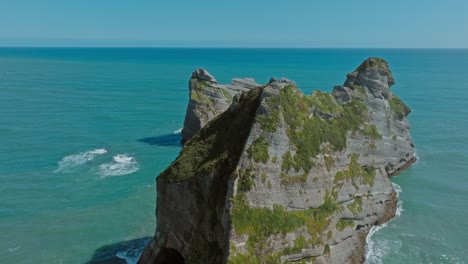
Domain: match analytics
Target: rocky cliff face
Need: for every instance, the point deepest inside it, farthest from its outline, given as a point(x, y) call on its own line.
point(283, 177)
point(209, 99)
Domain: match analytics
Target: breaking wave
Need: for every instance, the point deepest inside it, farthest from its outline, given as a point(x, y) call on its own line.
point(377, 249)
point(122, 164)
point(72, 162)
point(132, 253)
point(178, 131)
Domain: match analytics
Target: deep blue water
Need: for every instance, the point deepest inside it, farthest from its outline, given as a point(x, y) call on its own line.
point(84, 133)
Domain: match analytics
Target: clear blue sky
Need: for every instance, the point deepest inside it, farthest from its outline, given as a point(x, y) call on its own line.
point(235, 23)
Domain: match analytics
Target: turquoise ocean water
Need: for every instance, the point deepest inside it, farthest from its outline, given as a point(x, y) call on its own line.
point(84, 133)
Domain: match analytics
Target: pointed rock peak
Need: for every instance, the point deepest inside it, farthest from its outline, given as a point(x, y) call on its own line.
point(374, 74)
point(204, 75)
point(379, 64)
point(372, 63)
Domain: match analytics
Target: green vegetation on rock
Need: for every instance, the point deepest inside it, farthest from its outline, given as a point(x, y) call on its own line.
point(238, 258)
point(398, 107)
point(246, 180)
point(371, 132)
point(218, 144)
point(329, 162)
point(261, 223)
point(226, 94)
point(307, 133)
point(373, 62)
point(264, 177)
point(356, 206)
point(290, 179)
point(327, 250)
point(326, 102)
point(343, 223)
point(356, 171)
point(258, 150)
point(274, 159)
point(299, 244)
point(359, 88)
point(269, 121)
point(199, 96)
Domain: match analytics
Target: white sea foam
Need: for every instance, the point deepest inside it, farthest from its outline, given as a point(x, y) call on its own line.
point(11, 250)
point(122, 164)
point(178, 131)
point(122, 158)
point(72, 162)
point(399, 209)
point(376, 249)
point(132, 253)
point(417, 158)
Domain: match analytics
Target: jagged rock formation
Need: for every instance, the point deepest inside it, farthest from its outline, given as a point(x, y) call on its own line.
point(209, 99)
point(281, 177)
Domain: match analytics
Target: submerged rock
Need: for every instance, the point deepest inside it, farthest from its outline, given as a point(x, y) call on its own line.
point(283, 177)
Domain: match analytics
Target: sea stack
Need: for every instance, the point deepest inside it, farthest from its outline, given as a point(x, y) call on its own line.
point(270, 175)
point(208, 99)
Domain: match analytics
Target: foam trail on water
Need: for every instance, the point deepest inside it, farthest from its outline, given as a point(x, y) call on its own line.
point(178, 131)
point(14, 249)
point(122, 164)
point(377, 249)
point(72, 162)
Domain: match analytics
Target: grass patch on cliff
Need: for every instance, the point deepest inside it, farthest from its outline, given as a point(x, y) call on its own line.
point(398, 107)
point(326, 102)
point(269, 121)
point(217, 146)
point(227, 95)
point(246, 180)
point(372, 132)
point(356, 206)
point(291, 179)
point(329, 162)
point(355, 171)
point(258, 150)
point(307, 133)
point(299, 244)
point(360, 89)
point(262, 223)
point(343, 223)
point(200, 97)
point(372, 62)
point(296, 162)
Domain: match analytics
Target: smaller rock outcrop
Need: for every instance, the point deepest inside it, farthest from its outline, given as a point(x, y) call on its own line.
point(209, 99)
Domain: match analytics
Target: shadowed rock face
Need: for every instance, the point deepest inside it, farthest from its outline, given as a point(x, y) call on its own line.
point(280, 177)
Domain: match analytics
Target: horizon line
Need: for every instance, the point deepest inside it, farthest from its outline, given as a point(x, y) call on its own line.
point(221, 47)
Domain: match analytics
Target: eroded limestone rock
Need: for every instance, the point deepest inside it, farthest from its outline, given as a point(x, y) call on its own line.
point(209, 99)
point(283, 177)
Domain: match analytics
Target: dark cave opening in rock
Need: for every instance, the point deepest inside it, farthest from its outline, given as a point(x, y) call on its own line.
point(169, 256)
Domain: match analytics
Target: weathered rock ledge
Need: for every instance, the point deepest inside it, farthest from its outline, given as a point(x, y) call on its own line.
point(270, 175)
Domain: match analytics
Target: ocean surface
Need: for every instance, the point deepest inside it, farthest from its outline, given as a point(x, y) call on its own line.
point(84, 133)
